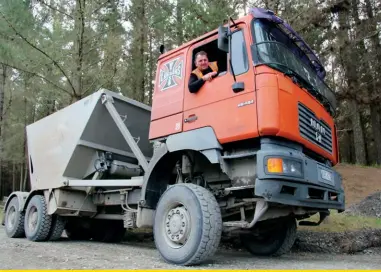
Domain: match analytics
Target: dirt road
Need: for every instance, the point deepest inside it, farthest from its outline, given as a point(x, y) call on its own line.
point(65, 254)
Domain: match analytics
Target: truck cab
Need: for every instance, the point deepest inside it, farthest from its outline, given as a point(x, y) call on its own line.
point(260, 136)
point(284, 103)
point(284, 93)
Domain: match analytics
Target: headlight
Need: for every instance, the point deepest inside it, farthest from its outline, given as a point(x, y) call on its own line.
point(284, 166)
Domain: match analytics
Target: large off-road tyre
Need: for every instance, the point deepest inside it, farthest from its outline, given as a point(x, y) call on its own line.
point(37, 221)
point(108, 231)
point(276, 242)
point(58, 226)
point(14, 220)
point(188, 225)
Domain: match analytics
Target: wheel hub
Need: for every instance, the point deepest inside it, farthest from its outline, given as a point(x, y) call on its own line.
point(177, 225)
point(32, 220)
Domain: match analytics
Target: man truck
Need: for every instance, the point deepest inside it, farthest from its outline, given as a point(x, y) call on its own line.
point(251, 153)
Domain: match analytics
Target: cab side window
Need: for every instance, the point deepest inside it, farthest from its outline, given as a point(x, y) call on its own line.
point(214, 54)
point(238, 53)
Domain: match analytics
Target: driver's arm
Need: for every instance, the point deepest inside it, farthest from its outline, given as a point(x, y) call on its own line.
point(195, 84)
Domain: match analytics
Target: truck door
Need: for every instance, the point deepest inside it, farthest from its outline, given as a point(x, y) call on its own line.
point(231, 114)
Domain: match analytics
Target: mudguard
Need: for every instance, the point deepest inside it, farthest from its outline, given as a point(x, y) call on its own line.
point(21, 196)
point(203, 140)
point(198, 139)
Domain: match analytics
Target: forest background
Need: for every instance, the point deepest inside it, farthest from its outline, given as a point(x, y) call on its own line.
point(55, 52)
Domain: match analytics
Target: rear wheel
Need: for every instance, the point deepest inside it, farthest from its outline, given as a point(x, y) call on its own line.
point(14, 220)
point(37, 220)
point(187, 227)
point(277, 241)
point(58, 226)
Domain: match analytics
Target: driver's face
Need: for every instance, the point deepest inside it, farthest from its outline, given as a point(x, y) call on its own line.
point(202, 62)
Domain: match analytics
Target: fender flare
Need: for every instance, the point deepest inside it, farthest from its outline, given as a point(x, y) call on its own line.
point(202, 140)
point(21, 197)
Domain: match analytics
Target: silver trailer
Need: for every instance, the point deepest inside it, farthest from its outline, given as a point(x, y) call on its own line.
point(94, 173)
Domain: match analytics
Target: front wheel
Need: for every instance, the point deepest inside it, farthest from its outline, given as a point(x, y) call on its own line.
point(188, 225)
point(277, 240)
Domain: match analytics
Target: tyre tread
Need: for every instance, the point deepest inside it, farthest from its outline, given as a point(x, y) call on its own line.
point(288, 241)
point(57, 228)
point(212, 224)
point(46, 221)
point(19, 232)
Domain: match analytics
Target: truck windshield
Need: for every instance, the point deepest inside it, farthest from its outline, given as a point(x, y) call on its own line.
point(275, 49)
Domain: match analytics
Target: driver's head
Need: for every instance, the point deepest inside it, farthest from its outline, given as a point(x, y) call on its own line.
point(201, 60)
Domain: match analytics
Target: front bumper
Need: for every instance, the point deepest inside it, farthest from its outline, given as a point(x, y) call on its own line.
point(308, 190)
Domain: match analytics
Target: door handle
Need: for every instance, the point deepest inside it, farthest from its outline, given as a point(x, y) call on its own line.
point(191, 118)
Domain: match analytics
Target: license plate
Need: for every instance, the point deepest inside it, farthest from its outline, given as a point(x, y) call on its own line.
point(326, 176)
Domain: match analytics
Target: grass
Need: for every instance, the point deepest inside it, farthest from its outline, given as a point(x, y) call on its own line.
point(1, 214)
point(343, 222)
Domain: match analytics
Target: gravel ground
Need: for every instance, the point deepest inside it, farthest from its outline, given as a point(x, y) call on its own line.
point(369, 206)
point(65, 254)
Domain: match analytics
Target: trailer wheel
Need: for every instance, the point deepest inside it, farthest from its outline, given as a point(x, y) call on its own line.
point(272, 243)
point(14, 220)
point(37, 220)
point(58, 226)
point(188, 225)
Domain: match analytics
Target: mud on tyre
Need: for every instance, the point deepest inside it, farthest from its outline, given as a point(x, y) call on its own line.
point(188, 225)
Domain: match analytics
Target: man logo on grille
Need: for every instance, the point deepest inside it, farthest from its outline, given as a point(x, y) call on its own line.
point(170, 73)
point(319, 129)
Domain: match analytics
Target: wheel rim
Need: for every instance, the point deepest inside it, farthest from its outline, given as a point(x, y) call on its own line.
point(11, 218)
point(32, 219)
point(177, 226)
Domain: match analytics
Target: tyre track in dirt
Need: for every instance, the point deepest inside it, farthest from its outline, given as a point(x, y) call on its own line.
point(65, 254)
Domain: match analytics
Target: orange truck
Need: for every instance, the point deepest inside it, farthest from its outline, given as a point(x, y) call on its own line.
point(250, 153)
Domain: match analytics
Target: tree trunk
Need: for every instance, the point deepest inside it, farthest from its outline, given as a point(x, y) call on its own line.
point(151, 72)
point(348, 54)
point(3, 76)
point(374, 87)
point(22, 176)
point(25, 145)
point(141, 84)
point(179, 23)
point(13, 176)
point(79, 25)
point(358, 134)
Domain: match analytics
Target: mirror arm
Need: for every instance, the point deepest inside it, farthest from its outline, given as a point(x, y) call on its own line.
point(229, 36)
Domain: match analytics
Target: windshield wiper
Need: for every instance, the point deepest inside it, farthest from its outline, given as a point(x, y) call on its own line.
point(310, 88)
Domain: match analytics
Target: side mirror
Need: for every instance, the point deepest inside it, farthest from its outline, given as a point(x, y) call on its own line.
point(223, 41)
point(238, 87)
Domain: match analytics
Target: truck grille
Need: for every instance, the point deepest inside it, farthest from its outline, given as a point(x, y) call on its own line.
point(313, 129)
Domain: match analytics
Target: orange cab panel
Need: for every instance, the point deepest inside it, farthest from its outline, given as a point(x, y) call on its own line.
point(286, 110)
point(305, 120)
point(168, 93)
point(267, 104)
point(232, 119)
point(166, 126)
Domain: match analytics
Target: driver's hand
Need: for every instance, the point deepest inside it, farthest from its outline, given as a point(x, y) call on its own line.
point(209, 76)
